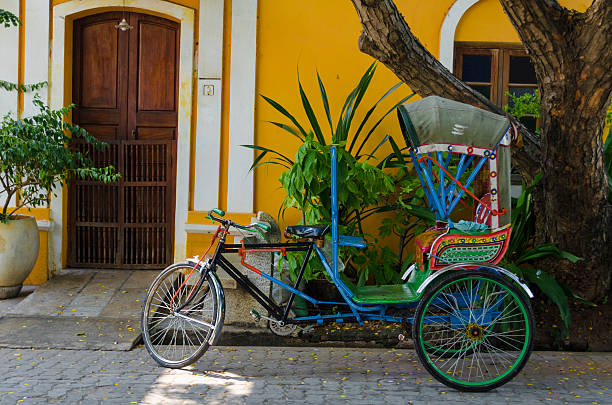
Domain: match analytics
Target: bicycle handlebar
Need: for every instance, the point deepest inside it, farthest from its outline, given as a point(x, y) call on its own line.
point(261, 225)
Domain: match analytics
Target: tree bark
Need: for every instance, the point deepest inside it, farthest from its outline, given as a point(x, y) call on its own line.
point(387, 37)
point(573, 61)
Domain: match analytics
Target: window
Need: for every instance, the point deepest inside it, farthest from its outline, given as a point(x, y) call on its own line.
point(494, 69)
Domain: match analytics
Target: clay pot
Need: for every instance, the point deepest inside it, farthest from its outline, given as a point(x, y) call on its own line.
point(19, 242)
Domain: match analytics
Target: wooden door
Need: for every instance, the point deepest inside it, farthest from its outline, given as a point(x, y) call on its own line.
point(125, 88)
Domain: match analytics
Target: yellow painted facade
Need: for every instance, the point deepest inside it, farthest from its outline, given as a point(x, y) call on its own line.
point(292, 36)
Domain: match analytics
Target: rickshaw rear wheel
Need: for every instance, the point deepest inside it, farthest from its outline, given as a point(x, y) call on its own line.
point(473, 330)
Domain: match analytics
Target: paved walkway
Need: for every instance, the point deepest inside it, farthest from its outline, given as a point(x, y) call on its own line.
point(256, 375)
point(78, 309)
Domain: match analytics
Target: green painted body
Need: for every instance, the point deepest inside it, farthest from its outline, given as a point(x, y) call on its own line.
point(388, 294)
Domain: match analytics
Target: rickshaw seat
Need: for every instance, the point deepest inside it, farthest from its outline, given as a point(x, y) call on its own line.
point(308, 231)
point(380, 294)
point(385, 294)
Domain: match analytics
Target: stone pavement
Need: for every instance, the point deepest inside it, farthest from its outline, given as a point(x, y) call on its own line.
point(78, 309)
point(256, 375)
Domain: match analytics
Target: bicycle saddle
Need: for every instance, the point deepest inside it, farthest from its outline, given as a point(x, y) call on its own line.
point(307, 231)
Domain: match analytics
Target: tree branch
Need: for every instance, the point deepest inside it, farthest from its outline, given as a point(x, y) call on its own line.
point(387, 37)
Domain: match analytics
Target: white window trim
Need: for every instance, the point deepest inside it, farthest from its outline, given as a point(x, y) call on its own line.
point(447, 32)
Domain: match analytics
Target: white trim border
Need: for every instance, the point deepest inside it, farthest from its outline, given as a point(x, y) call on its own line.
point(208, 126)
point(447, 32)
point(242, 106)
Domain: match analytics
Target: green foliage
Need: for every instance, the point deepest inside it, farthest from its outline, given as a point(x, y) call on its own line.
point(527, 104)
point(363, 188)
point(9, 19)
point(8, 86)
point(35, 157)
point(521, 253)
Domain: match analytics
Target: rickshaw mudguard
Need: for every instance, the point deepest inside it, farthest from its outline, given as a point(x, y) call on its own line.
point(468, 266)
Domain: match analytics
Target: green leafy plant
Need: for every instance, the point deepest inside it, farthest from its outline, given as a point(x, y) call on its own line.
point(9, 19)
point(36, 158)
point(527, 104)
point(307, 180)
point(521, 253)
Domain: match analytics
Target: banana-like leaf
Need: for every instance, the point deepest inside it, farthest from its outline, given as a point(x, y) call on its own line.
point(286, 113)
point(348, 110)
point(288, 129)
point(325, 102)
point(552, 289)
point(310, 114)
point(402, 101)
point(266, 150)
point(570, 293)
point(369, 113)
point(548, 285)
point(546, 250)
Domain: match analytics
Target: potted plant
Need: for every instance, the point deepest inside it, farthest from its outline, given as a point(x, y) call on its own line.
point(35, 160)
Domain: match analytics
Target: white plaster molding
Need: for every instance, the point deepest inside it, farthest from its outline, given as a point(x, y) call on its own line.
point(36, 59)
point(208, 126)
point(242, 106)
point(447, 32)
point(56, 88)
point(44, 226)
point(9, 68)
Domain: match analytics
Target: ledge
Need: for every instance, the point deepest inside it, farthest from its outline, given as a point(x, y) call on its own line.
point(44, 226)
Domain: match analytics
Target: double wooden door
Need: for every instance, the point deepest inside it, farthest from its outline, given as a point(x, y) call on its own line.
point(125, 88)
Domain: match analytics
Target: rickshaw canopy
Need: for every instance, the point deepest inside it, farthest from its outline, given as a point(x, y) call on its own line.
point(445, 135)
point(439, 120)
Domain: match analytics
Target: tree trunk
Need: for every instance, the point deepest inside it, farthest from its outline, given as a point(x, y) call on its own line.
point(574, 212)
point(573, 62)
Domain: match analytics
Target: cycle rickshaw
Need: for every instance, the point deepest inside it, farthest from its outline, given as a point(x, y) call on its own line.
point(471, 320)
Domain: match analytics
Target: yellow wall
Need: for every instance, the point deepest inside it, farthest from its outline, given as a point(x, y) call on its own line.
point(486, 21)
point(39, 274)
point(322, 35)
point(309, 36)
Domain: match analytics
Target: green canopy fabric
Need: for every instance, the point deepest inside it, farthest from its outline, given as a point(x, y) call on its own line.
point(438, 120)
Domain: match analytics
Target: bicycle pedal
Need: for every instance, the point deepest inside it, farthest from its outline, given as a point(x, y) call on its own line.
point(255, 315)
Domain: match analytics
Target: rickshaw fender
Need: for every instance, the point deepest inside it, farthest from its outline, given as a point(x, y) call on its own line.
point(468, 266)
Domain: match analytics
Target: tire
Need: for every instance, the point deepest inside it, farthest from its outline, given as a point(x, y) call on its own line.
point(176, 340)
point(473, 330)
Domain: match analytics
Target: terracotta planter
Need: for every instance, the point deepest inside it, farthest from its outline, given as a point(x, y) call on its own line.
point(19, 244)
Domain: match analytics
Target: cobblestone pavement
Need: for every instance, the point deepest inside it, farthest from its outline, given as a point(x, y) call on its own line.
point(257, 375)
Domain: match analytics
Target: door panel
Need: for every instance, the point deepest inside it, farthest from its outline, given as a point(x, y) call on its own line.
point(154, 42)
point(156, 80)
point(125, 91)
point(99, 66)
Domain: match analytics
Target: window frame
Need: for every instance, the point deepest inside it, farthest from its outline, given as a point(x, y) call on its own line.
point(500, 65)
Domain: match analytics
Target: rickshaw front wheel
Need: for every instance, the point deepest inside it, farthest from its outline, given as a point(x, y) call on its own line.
point(473, 330)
